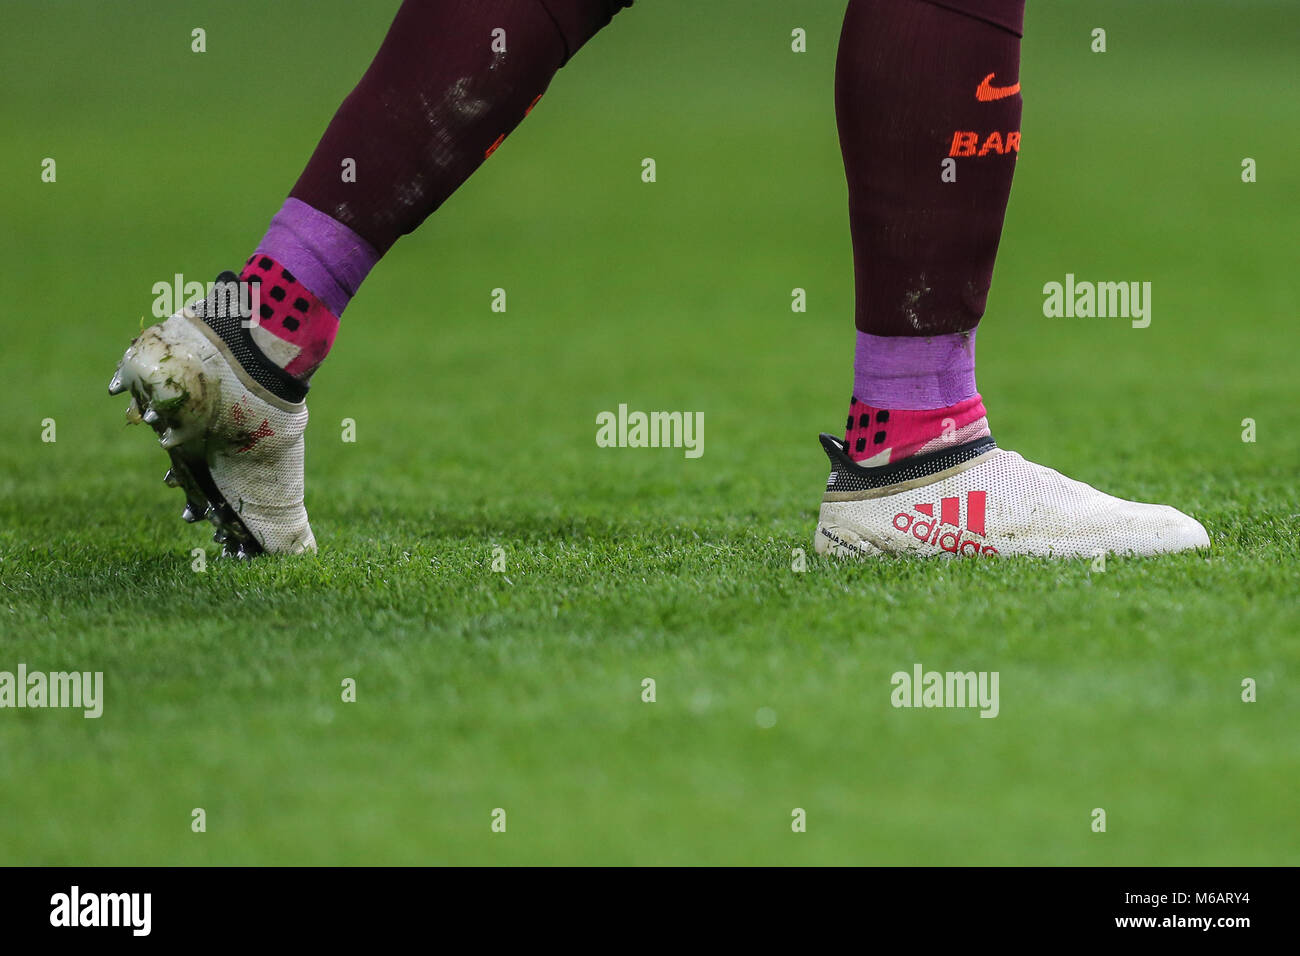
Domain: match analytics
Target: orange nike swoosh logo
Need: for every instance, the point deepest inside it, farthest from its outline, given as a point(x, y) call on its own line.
point(987, 92)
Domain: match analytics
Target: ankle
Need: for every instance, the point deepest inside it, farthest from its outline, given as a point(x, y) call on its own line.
point(879, 436)
point(293, 328)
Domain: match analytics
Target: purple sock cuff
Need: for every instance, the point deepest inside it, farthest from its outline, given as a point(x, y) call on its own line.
point(323, 254)
point(914, 373)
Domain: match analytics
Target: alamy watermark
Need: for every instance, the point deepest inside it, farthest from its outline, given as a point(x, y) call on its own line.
point(922, 688)
point(130, 910)
point(231, 297)
point(82, 690)
point(624, 429)
point(1085, 300)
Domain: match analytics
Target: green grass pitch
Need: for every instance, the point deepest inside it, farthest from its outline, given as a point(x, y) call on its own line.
point(521, 689)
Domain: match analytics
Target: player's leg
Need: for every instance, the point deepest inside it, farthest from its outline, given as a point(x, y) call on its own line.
point(451, 80)
point(906, 85)
point(224, 381)
point(927, 97)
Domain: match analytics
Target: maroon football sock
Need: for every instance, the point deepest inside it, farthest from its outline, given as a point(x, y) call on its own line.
point(450, 81)
point(916, 84)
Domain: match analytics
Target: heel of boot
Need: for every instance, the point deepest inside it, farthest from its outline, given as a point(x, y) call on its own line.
point(842, 542)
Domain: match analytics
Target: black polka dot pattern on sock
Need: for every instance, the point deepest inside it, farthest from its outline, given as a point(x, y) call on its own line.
point(866, 428)
point(289, 311)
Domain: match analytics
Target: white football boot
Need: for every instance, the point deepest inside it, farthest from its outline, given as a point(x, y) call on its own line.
point(231, 421)
point(976, 499)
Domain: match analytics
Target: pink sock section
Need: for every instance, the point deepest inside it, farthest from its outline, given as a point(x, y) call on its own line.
point(290, 312)
point(884, 435)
